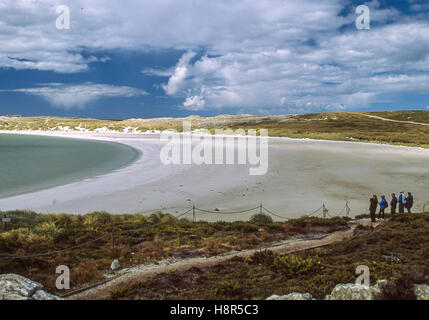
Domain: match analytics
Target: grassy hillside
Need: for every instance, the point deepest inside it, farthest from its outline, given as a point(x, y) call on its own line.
point(157, 237)
point(328, 126)
point(412, 115)
point(398, 249)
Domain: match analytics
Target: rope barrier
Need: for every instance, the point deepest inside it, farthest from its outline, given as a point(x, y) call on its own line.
point(227, 212)
point(193, 209)
point(315, 211)
point(274, 214)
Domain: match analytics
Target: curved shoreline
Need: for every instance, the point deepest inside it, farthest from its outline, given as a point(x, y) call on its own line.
point(138, 155)
point(146, 185)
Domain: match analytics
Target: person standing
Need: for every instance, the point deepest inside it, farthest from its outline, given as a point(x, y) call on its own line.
point(393, 204)
point(373, 202)
point(383, 205)
point(410, 201)
point(402, 202)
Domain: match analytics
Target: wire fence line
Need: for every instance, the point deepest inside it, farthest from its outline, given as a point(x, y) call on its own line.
point(262, 210)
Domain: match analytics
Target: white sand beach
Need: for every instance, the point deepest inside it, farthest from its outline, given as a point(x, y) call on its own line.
point(302, 174)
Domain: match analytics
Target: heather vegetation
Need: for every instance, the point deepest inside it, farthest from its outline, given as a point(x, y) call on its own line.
point(133, 239)
point(397, 250)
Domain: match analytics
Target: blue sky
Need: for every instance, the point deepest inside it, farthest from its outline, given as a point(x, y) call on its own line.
point(170, 58)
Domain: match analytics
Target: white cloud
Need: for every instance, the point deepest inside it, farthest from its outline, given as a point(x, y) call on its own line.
point(179, 75)
point(194, 103)
point(272, 55)
point(157, 72)
point(77, 96)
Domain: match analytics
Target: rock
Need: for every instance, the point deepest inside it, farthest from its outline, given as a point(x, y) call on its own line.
point(16, 287)
point(43, 295)
point(421, 291)
point(292, 296)
point(352, 291)
point(115, 265)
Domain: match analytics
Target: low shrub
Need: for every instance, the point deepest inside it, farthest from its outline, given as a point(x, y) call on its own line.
point(227, 288)
point(261, 218)
point(119, 293)
point(292, 265)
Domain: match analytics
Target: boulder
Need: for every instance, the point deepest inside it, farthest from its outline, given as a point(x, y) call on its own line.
point(352, 291)
point(292, 296)
point(16, 287)
point(421, 291)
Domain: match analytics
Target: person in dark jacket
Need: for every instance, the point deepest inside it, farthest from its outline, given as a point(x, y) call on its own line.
point(373, 202)
point(383, 205)
point(409, 203)
point(393, 204)
point(401, 201)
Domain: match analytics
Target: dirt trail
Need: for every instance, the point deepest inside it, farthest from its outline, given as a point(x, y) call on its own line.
point(134, 274)
point(391, 120)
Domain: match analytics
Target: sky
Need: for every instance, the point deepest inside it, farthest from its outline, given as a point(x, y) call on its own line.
point(172, 58)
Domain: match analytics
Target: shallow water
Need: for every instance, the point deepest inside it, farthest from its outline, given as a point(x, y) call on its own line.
point(30, 163)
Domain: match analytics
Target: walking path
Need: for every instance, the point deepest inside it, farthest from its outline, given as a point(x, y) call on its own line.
point(135, 274)
point(391, 120)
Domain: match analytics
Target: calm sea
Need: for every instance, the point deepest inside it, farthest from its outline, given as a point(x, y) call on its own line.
point(30, 163)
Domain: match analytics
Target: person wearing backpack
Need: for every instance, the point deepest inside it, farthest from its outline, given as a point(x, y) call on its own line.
point(393, 204)
point(402, 200)
point(383, 205)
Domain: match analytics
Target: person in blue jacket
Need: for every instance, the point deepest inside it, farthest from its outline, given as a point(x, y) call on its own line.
point(383, 205)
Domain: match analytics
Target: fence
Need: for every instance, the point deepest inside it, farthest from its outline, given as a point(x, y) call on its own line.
point(261, 210)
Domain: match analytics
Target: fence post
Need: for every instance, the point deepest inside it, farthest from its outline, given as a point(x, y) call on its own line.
point(347, 208)
point(260, 208)
point(325, 211)
point(5, 221)
point(193, 213)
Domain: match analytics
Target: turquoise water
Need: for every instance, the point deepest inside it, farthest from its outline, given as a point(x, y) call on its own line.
point(30, 163)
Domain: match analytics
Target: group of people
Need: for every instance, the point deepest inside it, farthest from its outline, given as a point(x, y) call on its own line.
point(404, 202)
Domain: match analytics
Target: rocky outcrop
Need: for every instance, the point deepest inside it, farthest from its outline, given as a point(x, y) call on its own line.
point(292, 296)
point(16, 287)
point(352, 291)
point(421, 291)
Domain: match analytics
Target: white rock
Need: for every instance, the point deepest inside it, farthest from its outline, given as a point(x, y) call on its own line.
point(352, 291)
point(292, 296)
point(115, 265)
point(16, 287)
point(421, 291)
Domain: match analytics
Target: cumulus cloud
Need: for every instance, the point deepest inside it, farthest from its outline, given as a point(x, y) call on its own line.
point(264, 56)
point(194, 103)
point(78, 95)
point(179, 75)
